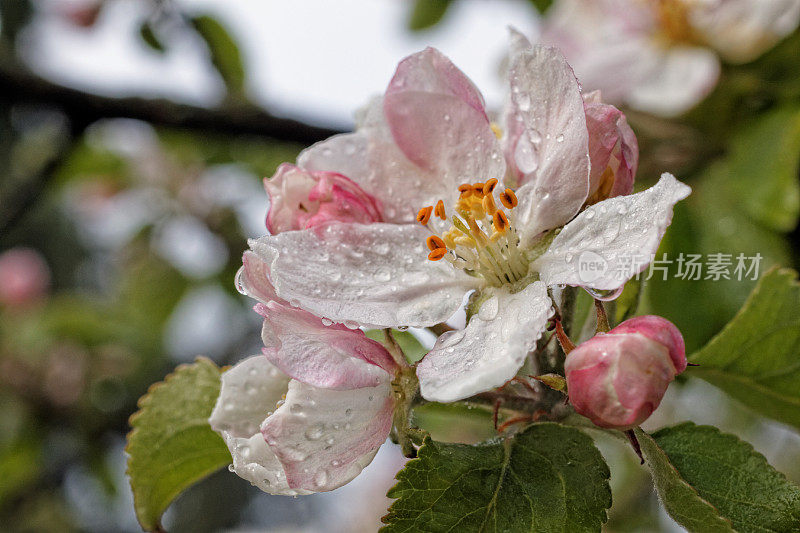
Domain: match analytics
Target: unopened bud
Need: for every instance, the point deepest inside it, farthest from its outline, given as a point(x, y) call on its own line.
point(618, 379)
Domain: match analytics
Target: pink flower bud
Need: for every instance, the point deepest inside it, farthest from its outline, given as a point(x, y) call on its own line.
point(301, 199)
point(24, 277)
point(617, 379)
point(613, 150)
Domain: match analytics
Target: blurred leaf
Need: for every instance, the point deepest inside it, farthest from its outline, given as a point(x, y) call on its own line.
point(626, 305)
point(413, 349)
point(547, 478)
point(708, 222)
point(680, 499)
point(455, 422)
point(149, 38)
point(427, 13)
point(755, 358)
point(225, 54)
point(734, 478)
point(20, 465)
point(171, 446)
point(765, 167)
point(542, 5)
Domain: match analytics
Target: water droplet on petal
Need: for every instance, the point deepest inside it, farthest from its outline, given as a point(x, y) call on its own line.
point(315, 431)
point(489, 309)
point(604, 295)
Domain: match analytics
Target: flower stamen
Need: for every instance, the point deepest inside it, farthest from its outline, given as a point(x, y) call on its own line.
point(481, 240)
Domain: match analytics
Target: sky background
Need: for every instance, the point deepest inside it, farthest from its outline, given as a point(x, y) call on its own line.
point(313, 59)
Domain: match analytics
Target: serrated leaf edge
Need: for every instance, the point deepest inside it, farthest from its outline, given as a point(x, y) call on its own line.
point(141, 403)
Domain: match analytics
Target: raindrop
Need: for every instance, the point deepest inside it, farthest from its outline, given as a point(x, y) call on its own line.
point(604, 295)
point(560, 138)
point(327, 322)
point(321, 478)
point(489, 309)
point(315, 431)
point(383, 275)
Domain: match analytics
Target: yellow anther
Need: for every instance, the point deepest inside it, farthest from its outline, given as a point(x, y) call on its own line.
point(489, 205)
point(449, 238)
point(509, 199)
point(424, 214)
point(434, 243)
point(437, 254)
point(497, 130)
point(439, 210)
point(478, 187)
point(488, 187)
point(500, 222)
point(464, 240)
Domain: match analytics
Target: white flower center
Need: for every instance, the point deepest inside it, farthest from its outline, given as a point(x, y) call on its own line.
point(482, 239)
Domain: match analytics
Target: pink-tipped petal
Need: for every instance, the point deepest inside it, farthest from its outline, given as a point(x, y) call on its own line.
point(437, 119)
point(331, 357)
point(490, 350)
point(253, 279)
point(613, 240)
point(249, 393)
point(547, 140)
point(373, 275)
point(324, 438)
point(613, 150)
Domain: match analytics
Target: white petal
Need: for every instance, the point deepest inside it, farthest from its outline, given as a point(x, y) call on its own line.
point(490, 350)
point(254, 461)
point(250, 391)
point(613, 240)
point(375, 275)
point(678, 79)
point(549, 142)
point(324, 438)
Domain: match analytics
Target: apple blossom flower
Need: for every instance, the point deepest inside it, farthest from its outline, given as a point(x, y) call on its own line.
point(24, 277)
point(420, 150)
point(311, 412)
point(662, 56)
point(617, 379)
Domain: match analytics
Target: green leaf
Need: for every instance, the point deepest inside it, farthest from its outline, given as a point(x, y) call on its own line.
point(427, 13)
point(756, 357)
point(150, 38)
point(171, 446)
point(764, 163)
point(710, 222)
point(547, 478)
point(411, 347)
point(680, 499)
point(541, 5)
point(225, 54)
point(730, 475)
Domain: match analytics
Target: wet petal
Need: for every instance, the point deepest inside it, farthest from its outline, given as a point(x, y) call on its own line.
point(613, 240)
point(375, 276)
point(490, 350)
point(324, 438)
point(371, 158)
point(677, 80)
point(332, 357)
point(438, 121)
point(547, 140)
point(250, 391)
point(253, 279)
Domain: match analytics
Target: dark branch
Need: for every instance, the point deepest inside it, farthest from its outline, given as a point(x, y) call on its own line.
point(21, 86)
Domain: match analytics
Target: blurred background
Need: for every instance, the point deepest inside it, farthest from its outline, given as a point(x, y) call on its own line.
point(134, 135)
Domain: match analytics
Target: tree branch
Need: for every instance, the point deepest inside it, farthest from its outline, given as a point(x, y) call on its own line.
point(84, 108)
